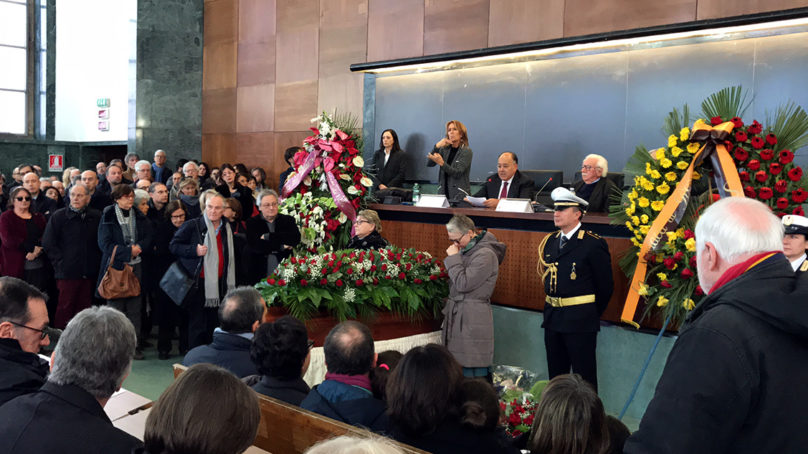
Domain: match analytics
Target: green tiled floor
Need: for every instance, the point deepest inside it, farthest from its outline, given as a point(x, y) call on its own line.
point(151, 376)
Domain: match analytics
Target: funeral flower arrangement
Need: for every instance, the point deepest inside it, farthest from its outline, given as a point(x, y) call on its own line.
point(661, 210)
point(357, 283)
point(328, 186)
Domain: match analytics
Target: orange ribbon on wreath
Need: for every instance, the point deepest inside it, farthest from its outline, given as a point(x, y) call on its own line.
point(727, 181)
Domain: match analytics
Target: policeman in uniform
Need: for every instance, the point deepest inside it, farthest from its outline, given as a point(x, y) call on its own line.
point(795, 241)
point(575, 266)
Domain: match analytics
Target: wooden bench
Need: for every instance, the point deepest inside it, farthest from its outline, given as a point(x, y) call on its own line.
point(287, 429)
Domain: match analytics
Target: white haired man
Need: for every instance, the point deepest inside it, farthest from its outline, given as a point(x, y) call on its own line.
point(594, 187)
point(735, 378)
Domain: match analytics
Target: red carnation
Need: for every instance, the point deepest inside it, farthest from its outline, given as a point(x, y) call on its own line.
point(795, 174)
point(514, 419)
point(781, 186)
point(375, 281)
point(338, 283)
point(402, 276)
point(698, 291)
point(678, 256)
point(650, 256)
point(271, 281)
point(737, 122)
point(765, 193)
point(749, 191)
point(716, 121)
point(754, 164)
point(755, 128)
point(771, 139)
point(304, 282)
point(741, 154)
point(372, 267)
point(766, 154)
point(417, 281)
point(293, 260)
point(798, 211)
point(799, 195)
point(689, 234)
point(786, 156)
point(744, 175)
point(323, 281)
point(665, 284)
point(775, 168)
point(686, 273)
point(692, 261)
point(761, 176)
point(740, 136)
point(408, 266)
point(757, 143)
point(432, 277)
point(670, 263)
point(281, 282)
point(782, 203)
point(359, 282)
point(384, 267)
point(350, 271)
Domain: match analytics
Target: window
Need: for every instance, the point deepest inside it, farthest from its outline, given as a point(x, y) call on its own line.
point(14, 23)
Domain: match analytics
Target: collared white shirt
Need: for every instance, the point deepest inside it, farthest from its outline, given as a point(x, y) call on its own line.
point(571, 233)
point(387, 156)
point(798, 261)
point(508, 182)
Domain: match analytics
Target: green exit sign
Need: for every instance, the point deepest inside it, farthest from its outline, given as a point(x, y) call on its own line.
point(102, 102)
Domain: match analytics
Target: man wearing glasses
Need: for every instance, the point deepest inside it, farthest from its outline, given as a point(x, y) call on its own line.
point(23, 331)
point(594, 187)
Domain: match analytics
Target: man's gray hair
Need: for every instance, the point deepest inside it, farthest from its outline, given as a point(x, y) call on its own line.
point(600, 161)
point(141, 195)
point(156, 152)
point(264, 193)
point(460, 223)
point(189, 164)
point(95, 351)
point(355, 445)
point(739, 227)
point(79, 185)
point(142, 163)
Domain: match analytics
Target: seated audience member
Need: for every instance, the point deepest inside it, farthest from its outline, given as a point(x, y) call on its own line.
point(481, 412)
point(206, 410)
point(368, 231)
point(354, 445)
point(425, 396)
point(508, 183)
point(239, 315)
point(618, 434)
point(795, 240)
point(189, 196)
point(346, 394)
point(91, 361)
point(289, 158)
point(594, 187)
point(270, 236)
point(280, 351)
point(23, 324)
point(386, 363)
point(389, 161)
point(71, 242)
point(569, 418)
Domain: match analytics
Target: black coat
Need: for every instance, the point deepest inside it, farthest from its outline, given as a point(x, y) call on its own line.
point(71, 243)
point(44, 205)
point(286, 233)
point(20, 372)
point(188, 236)
point(62, 419)
point(453, 438)
point(110, 234)
point(599, 199)
point(99, 200)
point(374, 240)
point(593, 275)
point(290, 391)
point(244, 196)
point(734, 381)
point(350, 405)
point(521, 187)
point(392, 174)
point(229, 351)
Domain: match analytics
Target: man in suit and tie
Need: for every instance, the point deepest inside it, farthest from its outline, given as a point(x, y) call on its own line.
point(508, 183)
point(594, 187)
point(576, 269)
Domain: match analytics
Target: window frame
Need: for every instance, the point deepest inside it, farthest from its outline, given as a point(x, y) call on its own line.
point(32, 56)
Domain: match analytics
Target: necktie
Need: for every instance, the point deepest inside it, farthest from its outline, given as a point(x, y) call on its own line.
point(562, 242)
point(504, 193)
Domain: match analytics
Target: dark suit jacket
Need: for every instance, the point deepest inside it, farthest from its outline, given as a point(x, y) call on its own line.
point(286, 233)
point(20, 372)
point(71, 243)
point(392, 174)
point(290, 391)
point(521, 187)
point(43, 205)
point(62, 419)
point(599, 199)
point(229, 351)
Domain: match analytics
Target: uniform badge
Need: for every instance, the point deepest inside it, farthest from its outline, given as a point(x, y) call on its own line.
point(572, 274)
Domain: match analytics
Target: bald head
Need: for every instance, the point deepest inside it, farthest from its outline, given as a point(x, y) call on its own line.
point(30, 181)
point(90, 180)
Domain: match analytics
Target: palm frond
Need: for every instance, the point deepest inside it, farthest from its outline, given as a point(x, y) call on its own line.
point(677, 120)
point(790, 125)
point(351, 124)
point(726, 103)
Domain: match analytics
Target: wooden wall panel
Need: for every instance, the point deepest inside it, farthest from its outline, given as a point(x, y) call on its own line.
point(221, 21)
point(453, 25)
point(342, 92)
point(295, 105)
point(220, 66)
point(395, 29)
point(255, 149)
point(524, 21)
point(297, 40)
point(218, 148)
point(256, 105)
point(256, 63)
point(585, 17)
point(219, 110)
point(256, 21)
point(712, 9)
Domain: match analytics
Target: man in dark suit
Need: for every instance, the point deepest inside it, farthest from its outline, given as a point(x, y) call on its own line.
point(270, 236)
point(508, 183)
point(577, 274)
point(594, 187)
point(91, 361)
point(39, 203)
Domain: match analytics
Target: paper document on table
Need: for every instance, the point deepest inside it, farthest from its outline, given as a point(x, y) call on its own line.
point(476, 201)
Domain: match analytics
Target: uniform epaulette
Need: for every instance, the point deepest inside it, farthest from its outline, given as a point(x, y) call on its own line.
point(592, 234)
point(804, 266)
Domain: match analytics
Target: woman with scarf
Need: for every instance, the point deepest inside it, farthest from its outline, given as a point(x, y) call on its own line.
point(131, 232)
point(204, 248)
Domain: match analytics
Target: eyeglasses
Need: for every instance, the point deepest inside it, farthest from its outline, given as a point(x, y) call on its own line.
point(43, 333)
point(588, 168)
point(23, 199)
point(178, 216)
point(361, 221)
point(458, 240)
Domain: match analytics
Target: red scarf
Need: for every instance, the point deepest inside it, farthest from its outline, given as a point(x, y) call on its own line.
point(737, 270)
point(362, 381)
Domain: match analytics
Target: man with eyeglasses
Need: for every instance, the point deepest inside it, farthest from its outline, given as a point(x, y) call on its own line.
point(270, 236)
point(98, 199)
point(576, 270)
point(23, 331)
point(594, 187)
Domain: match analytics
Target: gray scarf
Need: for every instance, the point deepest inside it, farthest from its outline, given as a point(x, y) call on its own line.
point(211, 263)
point(128, 228)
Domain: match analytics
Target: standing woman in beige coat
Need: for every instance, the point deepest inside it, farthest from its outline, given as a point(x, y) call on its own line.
point(473, 265)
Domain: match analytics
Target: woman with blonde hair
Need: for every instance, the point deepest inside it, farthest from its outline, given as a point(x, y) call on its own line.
point(453, 155)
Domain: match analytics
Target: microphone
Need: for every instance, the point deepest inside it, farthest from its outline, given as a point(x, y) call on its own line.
point(536, 198)
point(463, 191)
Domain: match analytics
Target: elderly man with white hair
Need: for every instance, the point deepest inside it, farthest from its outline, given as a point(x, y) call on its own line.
point(735, 380)
point(594, 187)
point(91, 361)
point(161, 172)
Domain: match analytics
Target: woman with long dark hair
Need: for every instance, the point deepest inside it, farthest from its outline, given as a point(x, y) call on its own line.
point(231, 188)
point(389, 161)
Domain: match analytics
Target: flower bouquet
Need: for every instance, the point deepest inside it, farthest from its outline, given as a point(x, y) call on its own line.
point(518, 415)
point(354, 283)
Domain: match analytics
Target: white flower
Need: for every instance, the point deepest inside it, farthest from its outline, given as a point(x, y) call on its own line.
point(358, 161)
point(342, 218)
point(350, 294)
point(307, 181)
point(366, 182)
point(345, 177)
point(353, 191)
point(315, 120)
point(288, 273)
point(317, 210)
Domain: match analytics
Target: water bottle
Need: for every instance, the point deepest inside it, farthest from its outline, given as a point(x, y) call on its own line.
point(416, 193)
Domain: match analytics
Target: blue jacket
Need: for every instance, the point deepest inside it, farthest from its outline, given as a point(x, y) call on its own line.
point(229, 351)
point(349, 404)
point(110, 234)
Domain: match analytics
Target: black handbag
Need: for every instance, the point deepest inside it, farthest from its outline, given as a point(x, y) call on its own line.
point(177, 284)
